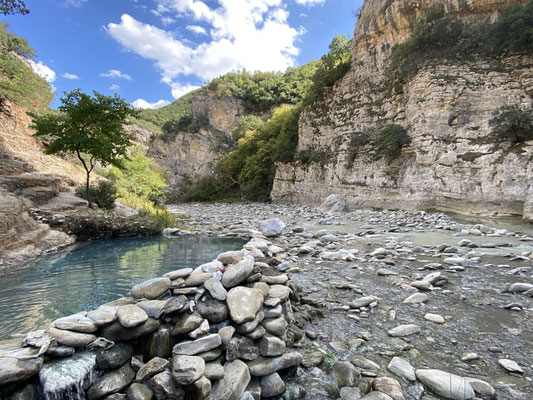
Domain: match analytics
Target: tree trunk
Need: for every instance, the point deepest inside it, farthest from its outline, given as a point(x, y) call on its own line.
point(87, 191)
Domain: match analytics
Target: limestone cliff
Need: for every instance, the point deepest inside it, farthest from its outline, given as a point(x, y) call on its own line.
point(190, 154)
point(446, 109)
point(29, 179)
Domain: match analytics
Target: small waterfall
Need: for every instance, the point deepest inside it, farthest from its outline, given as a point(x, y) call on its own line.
point(68, 378)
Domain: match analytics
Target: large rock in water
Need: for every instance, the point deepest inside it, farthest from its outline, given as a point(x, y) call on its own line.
point(334, 203)
point(244, 303)
point(444, 384)
point(112, 382)
point(272, 227)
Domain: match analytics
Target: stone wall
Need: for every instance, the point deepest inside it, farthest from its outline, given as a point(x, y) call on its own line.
point(449, 165)
point(220, 330)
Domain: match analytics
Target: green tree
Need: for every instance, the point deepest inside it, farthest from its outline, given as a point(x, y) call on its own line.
point(8, 7)
point(90, 127)
point(139, 175)
point(391, 140)
point(512, 123)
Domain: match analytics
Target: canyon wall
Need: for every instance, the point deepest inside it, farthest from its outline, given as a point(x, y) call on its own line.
point(446, 109)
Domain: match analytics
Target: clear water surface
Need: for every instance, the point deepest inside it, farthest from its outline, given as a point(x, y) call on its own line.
point(89, 274)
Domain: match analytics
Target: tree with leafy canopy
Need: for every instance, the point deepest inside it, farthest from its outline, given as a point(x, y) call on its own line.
point(90, 127)
point(8, 7)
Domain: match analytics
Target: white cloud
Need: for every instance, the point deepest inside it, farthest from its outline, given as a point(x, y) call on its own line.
point(196, 29)
point(75, 3)
point(67, 75)
point(43, 71)
point(140, 103)
point(116, 74)
point(251, 34)
point(114, 87)
point(179, 89)
point(310, 3)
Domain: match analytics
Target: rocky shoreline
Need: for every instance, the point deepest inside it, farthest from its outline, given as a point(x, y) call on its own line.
point(365, 309)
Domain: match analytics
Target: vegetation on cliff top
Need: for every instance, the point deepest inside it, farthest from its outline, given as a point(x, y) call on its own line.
point(18, 82)
point(438, 37)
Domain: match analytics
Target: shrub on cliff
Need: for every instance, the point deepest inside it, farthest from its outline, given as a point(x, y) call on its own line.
point(513, 31)
point(512, 123)
point(391, 140)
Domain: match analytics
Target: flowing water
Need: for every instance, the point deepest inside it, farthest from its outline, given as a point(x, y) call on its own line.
point(89, 274)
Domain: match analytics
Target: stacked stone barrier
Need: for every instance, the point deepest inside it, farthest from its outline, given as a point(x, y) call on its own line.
point(221, 331)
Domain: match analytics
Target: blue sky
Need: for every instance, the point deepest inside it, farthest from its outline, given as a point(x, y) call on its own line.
point(153, 51)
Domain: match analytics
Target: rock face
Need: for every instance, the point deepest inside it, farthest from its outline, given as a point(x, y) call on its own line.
point(185, 155)
point(445, 167)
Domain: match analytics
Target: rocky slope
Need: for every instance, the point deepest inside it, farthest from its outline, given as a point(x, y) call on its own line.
point(446, 109)
point(190, 154)
point(22, 189)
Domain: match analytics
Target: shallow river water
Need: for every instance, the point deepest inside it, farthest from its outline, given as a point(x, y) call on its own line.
point(90, 274)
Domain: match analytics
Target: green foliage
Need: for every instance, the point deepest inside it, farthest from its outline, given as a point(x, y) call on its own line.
point(8, 7)
point(104, 193)
point(262, 90)
point(512, 123)
point(156, 213)
point(90, 127)
point(246, 123)
point(513, 31)
point(357, 141)
point(138, 175)
point(391, 140)
point(332, 66)
point(174, 111)
point(18, 82)
point(176, 125)
point(205, 188)
point(312, 155)
point(251, 166)
point(440, 38)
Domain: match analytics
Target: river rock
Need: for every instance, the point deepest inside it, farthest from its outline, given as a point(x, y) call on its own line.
point(176, 303)
point(101, 317)
point(313, 359)
point(281, 292)
point(234, 383)
point(481, 387)
point(76, 322)
point(179, 273)
point(267, 365)
point(244, 303)
point(70, 338)
point(445, 384)
point(416, 298)
point(402, 368)
point(389, 386)
point(152, 308)
point(404, 330)
point(164, 387)
point(130, 316)
point(13, 369)
point(151, 289)
point(362, 302)
point(334, 203)
point(151, 368)
point(436, 318)
point(201, 345)
point(187, 323)
point(237, 273)
point(231, 257)
point(226, 334)
point(375, 395)
point(422, 285)
point(187, 369)
point(214, 371)
point(216, 289)
point(203, 329)
point(117, 333)
point(272, 227)
point(243, 348)
point(276, 326)
point(213, 310)
point(138, 391)
point(365, 363)
point(271, 385)
point(197, 279)
point(270, 346)
point(346, 373)
point(519, 287)
point(114, 357)
point(112, 382)
point(198, 390)
point(510, 366)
